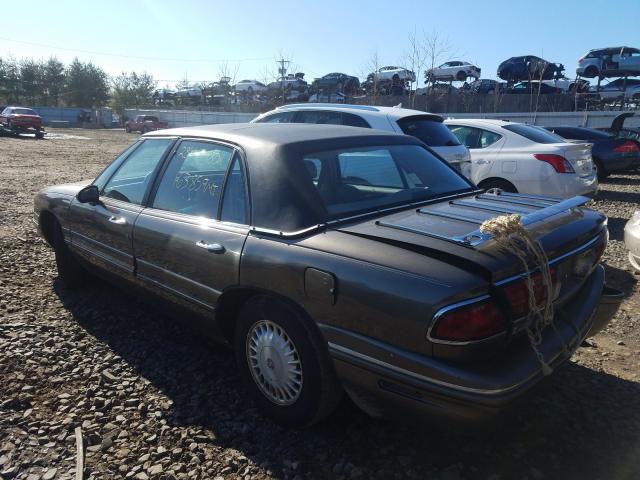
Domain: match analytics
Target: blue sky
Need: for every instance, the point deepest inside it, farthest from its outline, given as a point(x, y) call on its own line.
point(171, 39)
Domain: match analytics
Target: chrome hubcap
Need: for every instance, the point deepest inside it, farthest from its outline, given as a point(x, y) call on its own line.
point(274, 362)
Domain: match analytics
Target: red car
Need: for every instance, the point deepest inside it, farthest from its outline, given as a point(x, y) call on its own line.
point(144, 124)
point(22, 120)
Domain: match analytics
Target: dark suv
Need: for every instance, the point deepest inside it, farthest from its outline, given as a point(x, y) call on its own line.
point(484, 85)
point(529, 67)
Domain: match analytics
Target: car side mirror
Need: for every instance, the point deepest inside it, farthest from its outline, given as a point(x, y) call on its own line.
point(89, 194)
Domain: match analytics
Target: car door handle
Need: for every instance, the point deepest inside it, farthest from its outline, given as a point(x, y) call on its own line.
point(118, 220)
point(210, 247)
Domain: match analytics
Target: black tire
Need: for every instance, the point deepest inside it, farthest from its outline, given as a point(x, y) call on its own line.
point(320, 390)
point(461, 76)
point(591, 72)
point(601, 172)
point(498, 183)
point(39, 135)
point(127, 128)
point(70, 272)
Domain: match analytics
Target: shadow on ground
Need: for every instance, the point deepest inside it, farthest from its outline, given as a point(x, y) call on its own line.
point(580, 424)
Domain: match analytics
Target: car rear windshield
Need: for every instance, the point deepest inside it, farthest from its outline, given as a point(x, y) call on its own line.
point(432, 132)
point(24, 111)
point(535, 134)
point(358, 180)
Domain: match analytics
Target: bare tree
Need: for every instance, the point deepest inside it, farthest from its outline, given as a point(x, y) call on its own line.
point(415, 60)
point(436, 47)
point(369, 73)
point(228, 71)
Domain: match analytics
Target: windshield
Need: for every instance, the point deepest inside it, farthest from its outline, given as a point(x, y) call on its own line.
point(431, 132)
point(359, 180)
point(535, 134)
point(24, 111)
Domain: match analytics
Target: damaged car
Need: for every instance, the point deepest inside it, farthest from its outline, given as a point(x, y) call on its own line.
point(336, 259)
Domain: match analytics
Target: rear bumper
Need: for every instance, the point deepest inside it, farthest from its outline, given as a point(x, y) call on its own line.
point(389, 382)
point(621, 162)
point(560, 186)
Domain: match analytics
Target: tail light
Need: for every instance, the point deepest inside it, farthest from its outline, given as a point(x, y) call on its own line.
point(517, 293)
point(558, 162)
point(628, 147)
point(468, 323)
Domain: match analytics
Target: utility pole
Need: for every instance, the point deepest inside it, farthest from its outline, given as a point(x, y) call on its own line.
point(282, 71)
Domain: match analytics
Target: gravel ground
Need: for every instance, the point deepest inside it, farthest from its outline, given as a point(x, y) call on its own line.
point(153, 401)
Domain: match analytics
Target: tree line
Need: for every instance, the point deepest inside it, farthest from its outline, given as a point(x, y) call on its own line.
point(51, 83)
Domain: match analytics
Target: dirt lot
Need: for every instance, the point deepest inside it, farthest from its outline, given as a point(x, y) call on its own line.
point(153, 401)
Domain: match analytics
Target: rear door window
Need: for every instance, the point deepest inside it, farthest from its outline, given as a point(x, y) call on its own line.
point(488, 138)
point(430, 131)
point(468, 136)
point(354, 120)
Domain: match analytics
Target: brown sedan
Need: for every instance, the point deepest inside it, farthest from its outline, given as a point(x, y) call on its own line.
point(333, 259)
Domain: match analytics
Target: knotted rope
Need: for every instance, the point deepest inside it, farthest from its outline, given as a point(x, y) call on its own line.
point(510, 234)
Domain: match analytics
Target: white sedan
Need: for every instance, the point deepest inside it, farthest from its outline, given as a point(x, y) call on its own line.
point(453, 70)
point(250, 86)
point(525, 159)
point(394, 74)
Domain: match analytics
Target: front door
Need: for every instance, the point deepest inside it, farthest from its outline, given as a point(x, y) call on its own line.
point(102, 232)
point(188, 243)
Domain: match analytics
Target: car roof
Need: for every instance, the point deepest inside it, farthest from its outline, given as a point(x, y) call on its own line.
point(272, 133)
point(478, 122)
point(394, 113)
point(272, 153)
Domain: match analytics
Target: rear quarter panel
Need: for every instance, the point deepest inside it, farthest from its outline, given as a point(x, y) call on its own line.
point(381, 291)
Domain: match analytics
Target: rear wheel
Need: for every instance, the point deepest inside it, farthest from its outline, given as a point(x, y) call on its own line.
point(503, 185)
point(70, 272)
point(284, 364)
point(461, 76)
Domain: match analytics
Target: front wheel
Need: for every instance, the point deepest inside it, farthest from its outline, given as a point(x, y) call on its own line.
point(284, 364)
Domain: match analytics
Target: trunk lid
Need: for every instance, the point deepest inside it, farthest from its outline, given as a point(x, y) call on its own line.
point(578, 154)
point(449, 230)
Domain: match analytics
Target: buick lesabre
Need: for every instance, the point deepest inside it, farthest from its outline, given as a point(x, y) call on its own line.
point(334, 259)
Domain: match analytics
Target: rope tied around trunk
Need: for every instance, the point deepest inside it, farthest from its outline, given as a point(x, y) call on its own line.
point(510, 234)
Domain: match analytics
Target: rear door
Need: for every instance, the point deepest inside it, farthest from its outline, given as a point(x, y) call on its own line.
point(630, 61)
point(102, 232)
point(484, 147)
point(189, 240)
